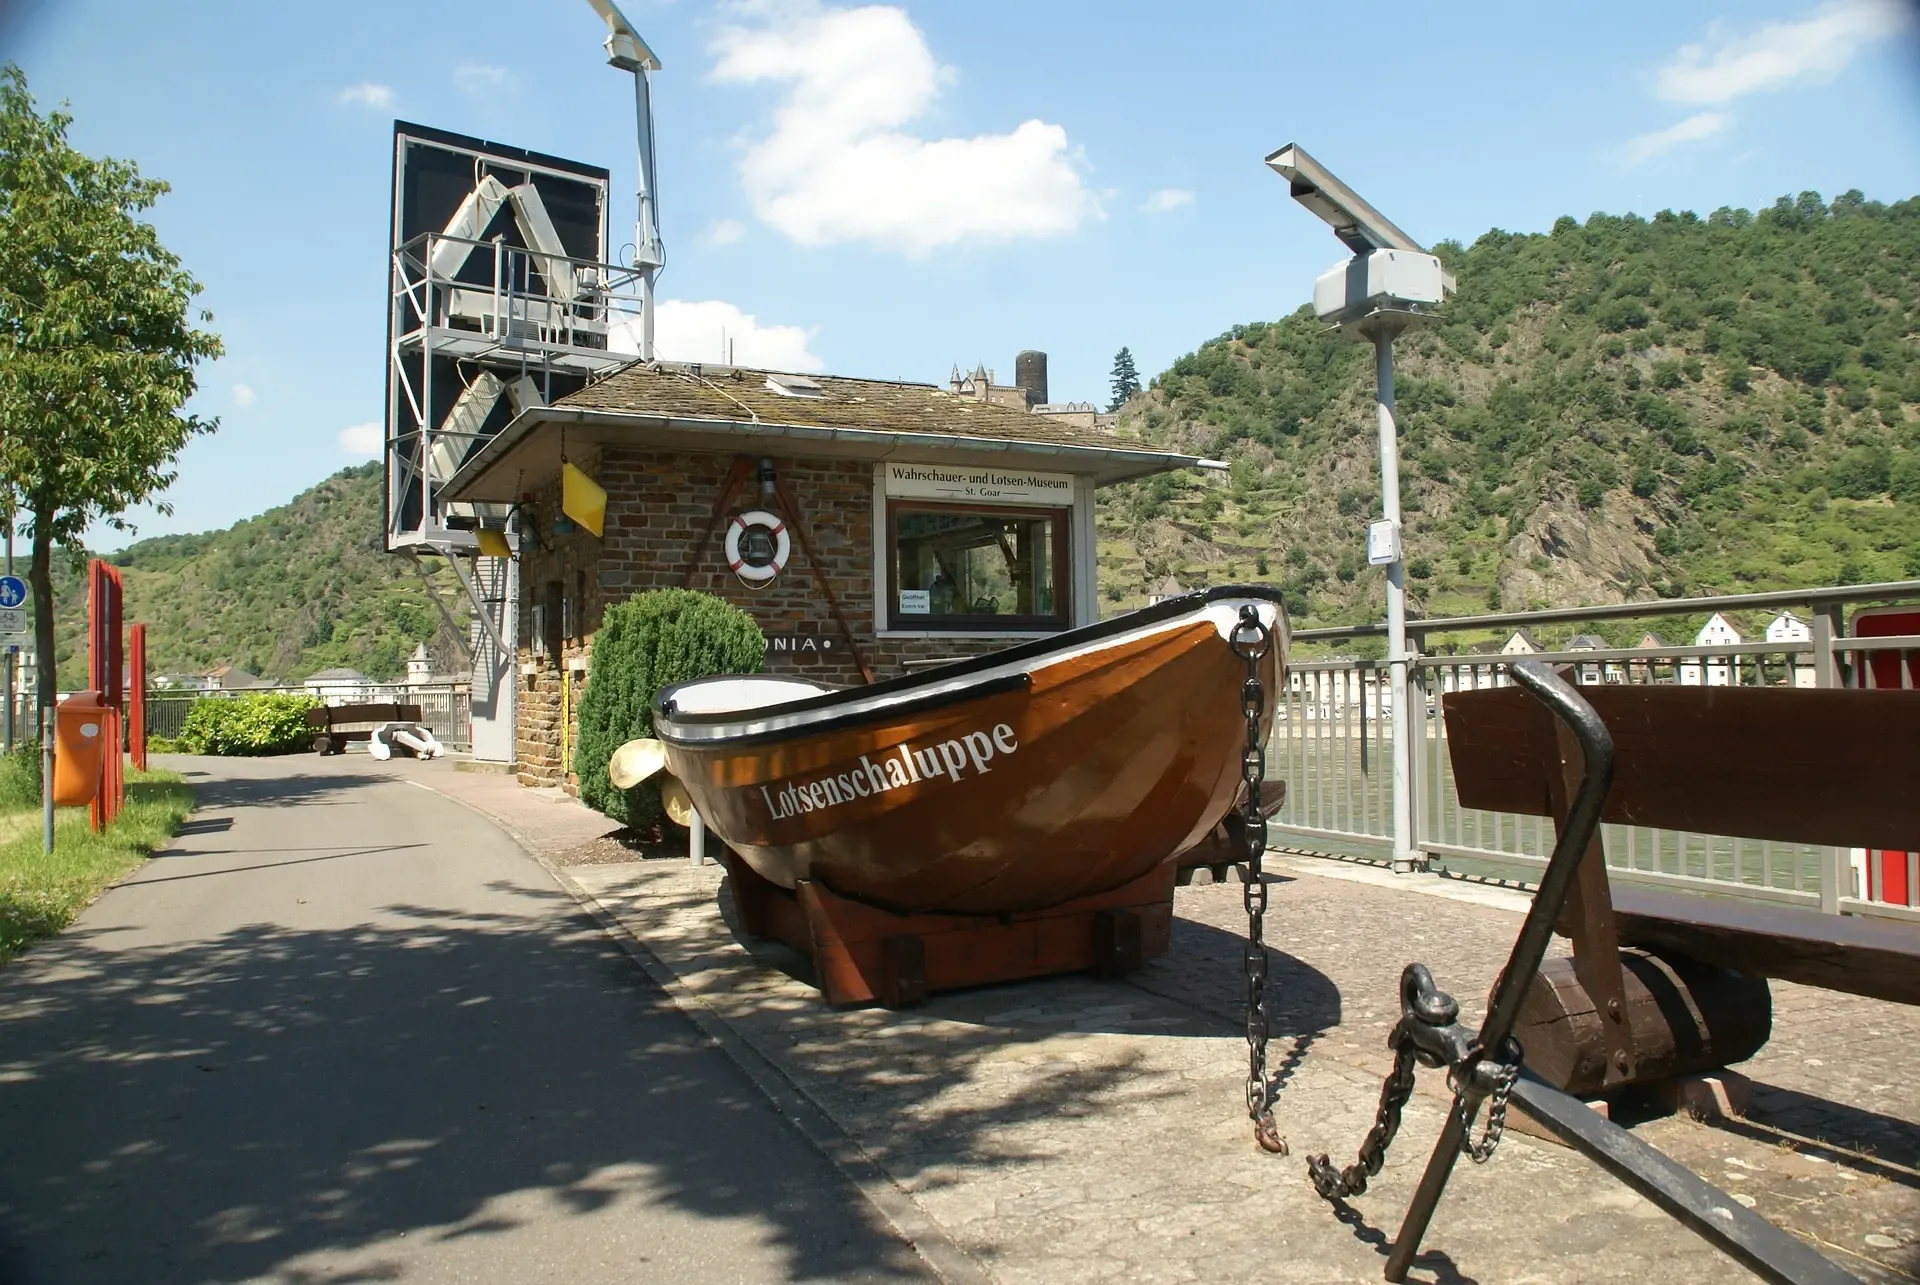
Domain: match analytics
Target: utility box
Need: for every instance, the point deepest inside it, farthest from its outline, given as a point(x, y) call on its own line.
point(1402, 280)
point(79, 744)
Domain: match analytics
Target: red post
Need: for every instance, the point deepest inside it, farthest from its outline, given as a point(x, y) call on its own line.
point(137, 697)
point(105, 658)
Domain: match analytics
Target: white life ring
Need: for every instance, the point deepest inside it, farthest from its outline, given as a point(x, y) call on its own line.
point(757, 568)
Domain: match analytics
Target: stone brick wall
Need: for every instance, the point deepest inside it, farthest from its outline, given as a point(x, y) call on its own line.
point(658, 506)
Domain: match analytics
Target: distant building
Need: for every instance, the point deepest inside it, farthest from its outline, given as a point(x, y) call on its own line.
point(1593, 671)
point(338, 686)
point(1643, 670)
point(182, 683)
point(1168, 588)
point(1717, 671)
point(232, 678)
point(1787, 627)
point(419, 667)
point(1521, 643)
point(1717, 632)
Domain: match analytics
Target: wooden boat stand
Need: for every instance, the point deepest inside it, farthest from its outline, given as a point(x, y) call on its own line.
point(1489, 1063)
point(862, 954)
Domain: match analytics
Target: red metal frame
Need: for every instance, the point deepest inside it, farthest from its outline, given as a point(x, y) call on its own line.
point(137, 696)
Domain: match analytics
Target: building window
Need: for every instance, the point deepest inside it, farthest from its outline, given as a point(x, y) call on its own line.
point(966, 567)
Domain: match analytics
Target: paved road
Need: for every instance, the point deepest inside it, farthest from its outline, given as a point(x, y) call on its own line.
point(347, 1030)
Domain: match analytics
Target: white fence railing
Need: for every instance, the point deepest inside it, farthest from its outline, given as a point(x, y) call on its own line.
point(1332, 742)
point(444, 707)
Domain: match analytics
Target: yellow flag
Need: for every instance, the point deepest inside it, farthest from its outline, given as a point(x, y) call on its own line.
point(493, 544)
point(582, 499)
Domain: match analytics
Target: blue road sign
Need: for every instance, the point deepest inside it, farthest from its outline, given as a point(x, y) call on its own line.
point(13, 591)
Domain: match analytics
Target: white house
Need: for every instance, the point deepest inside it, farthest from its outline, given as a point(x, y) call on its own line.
point(338, 686)
point(1521, 643)
point(1716, 672)
point(1787, 627)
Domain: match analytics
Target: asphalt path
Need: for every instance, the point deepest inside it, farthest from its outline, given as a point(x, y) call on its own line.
point(346, 1030)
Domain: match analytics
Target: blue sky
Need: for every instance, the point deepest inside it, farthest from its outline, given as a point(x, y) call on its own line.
point(886, 191)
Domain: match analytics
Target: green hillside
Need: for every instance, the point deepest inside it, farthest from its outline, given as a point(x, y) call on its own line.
point(1617, 410)
point(300, 588)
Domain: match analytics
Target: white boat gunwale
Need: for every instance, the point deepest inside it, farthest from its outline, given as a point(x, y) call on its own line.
point(932, 688)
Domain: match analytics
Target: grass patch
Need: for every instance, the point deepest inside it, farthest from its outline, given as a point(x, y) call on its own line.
point(41, 892)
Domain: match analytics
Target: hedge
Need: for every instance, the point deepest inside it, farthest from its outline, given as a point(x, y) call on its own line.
point(648, 642)
point(254, 724)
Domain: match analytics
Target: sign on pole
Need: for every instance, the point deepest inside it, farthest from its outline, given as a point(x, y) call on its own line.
point(13, 591)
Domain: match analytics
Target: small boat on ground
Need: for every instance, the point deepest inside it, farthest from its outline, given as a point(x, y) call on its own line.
point(1048, 773)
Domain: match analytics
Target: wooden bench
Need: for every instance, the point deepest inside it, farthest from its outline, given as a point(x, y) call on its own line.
point(1826, 767)
point(335, 725)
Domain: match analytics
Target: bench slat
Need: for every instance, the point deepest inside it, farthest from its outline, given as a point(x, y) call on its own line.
point(1871, 957)
point(1832, 767)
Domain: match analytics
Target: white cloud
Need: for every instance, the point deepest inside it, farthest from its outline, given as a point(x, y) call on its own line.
point(687, 331)
point(1661, 141)
point(723, 232)
point(362, 439)
point(1166, 199)
point(243, 396)
point(478, 79)
point(837, 164)
point(1816, 48)
point(368, 94)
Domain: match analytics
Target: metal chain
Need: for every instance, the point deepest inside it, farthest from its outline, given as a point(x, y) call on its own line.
point(1337, 1184)
point(1252, 641)
point(1482, 1151)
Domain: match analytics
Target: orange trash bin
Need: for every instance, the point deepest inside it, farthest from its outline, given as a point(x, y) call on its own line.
point(79, 743)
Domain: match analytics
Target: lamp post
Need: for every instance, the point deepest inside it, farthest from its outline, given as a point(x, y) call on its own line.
point(1389, 285)
point(627, 51)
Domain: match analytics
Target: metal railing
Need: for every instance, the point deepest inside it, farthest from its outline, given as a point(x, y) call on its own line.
point(444, 707)
point(1332, 742)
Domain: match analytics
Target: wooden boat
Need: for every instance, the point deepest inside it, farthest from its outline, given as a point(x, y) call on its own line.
point(1047, 773)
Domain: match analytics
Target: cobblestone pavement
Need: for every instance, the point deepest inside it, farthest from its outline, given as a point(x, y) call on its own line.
point(1074, 1129)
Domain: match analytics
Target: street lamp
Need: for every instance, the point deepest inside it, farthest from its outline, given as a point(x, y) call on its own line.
point(627, 51)
point(1390, 284)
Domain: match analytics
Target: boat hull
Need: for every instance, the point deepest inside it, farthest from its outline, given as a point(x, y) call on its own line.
point(1042, 782)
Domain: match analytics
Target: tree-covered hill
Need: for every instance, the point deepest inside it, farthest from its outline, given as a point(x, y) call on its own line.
point(302, 587)
point(1617, 410)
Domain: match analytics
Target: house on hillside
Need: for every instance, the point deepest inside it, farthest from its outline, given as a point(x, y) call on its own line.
point(338, 686)
point(232, 678)
point(1168, 588)
point(1644, 671)
point(1521, 642)
point(1716, 671)
point(1594, 671)
point(1789, 628)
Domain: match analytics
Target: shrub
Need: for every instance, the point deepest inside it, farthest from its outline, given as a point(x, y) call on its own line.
point(20, 776)
point(254, 724)
point(648, 642)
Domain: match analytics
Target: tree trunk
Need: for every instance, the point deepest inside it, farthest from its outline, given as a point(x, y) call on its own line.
point(40, 576)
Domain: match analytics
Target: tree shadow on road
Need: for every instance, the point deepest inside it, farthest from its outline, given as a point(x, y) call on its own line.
point(284, 1103)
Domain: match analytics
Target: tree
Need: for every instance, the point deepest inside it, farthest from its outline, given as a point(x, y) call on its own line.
point(97, 347)
point(1126, 379)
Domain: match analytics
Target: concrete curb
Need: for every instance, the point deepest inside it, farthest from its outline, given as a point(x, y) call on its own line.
point(808, 1117)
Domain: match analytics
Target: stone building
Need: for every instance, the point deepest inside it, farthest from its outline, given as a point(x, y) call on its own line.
point(923, 523)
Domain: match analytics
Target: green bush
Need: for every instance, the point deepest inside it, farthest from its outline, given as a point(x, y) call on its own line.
point(20, 777)
point(258, 723)
point(648, 642)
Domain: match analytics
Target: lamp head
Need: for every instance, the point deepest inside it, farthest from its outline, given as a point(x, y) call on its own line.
point(625, 49)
